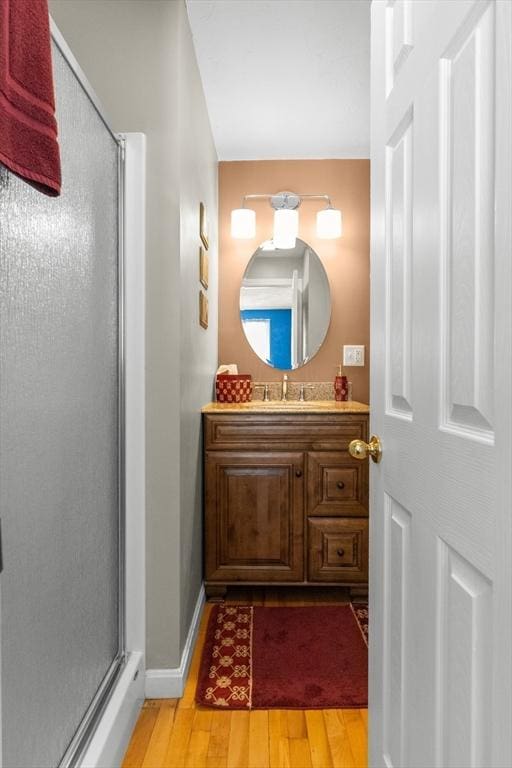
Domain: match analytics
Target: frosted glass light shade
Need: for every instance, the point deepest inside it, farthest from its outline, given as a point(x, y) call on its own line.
point(243, 224)
point(286, 228)
point(328, 223)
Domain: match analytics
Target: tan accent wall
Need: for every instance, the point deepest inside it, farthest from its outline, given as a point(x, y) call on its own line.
point(346, 260)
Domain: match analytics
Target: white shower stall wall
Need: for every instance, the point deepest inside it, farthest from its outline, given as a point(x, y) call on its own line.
point(71, 337)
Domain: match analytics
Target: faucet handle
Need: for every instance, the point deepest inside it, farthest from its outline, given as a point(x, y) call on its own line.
point(303, 387)
point(284, 385)
point(266, 391)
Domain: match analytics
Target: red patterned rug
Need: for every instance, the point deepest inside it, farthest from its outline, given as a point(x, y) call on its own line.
point(286, 658)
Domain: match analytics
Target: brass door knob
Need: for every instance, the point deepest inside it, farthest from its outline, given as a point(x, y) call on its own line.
point(360, 450)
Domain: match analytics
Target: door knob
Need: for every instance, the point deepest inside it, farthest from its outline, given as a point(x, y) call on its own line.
point(360, 450)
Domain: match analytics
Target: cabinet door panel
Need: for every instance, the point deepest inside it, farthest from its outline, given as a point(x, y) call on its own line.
point(254, 517)
point(338, 550)
point(337, 485)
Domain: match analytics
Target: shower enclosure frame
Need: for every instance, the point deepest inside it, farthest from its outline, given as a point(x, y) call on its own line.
point(78, 745)
point(104, 731)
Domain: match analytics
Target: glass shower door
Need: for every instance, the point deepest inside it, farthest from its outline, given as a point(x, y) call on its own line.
point(60, 463)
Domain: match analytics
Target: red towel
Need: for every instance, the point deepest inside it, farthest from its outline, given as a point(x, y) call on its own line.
point(28, 129)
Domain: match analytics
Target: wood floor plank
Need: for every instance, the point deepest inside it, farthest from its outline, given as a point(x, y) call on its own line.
point(189, 694)
point(271, 599)
point(157, 747)
point(317, 737)
point(137, 748)
point(216, 761)
point(202, 719)
point(279, 747)
point(339, 745)
point(179, 739)
point(259, 739)
point(280, 754)
point(238, 747)
point(296, 724)
point(357, 736)
point(197, 749)
point(278, 723)
point(157, 703)
point(258, 596)
point(219, 735)
point(300, 754)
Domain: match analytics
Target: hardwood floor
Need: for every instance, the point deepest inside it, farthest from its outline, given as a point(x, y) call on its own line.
point(175, 733)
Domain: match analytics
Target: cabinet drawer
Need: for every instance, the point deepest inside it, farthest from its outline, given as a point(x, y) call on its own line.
point(338, 549)
point(337, 485)
point(284, 432)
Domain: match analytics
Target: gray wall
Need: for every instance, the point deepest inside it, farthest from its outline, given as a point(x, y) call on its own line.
point(138, 57)
point(199, 352)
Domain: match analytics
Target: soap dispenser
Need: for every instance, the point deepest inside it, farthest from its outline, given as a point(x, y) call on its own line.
point(340, 386)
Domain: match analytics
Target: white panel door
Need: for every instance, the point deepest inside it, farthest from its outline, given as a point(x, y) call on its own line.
point(441, 544)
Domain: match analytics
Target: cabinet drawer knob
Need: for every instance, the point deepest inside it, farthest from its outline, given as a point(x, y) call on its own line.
point(298, 473)
point(340, 552)
point(340, 484)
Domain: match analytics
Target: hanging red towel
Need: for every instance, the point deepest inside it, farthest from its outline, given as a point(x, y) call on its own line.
point(28, 129)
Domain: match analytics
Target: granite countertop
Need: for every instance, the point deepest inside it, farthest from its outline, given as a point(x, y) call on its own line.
point(290, 406)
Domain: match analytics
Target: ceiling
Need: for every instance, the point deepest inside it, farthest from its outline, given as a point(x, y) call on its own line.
point(285, 79)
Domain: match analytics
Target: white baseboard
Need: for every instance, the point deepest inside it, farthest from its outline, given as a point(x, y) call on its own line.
point(112, 735)
point(169, 683)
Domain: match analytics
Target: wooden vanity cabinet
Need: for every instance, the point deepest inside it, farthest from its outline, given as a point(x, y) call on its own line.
point(285, 503)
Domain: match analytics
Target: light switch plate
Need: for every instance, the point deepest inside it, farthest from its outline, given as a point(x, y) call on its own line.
point(353, 354)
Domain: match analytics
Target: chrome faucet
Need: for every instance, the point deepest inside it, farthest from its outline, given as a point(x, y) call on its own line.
point(284, 395)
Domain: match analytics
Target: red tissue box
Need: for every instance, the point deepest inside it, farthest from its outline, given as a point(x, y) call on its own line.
point(231, 388)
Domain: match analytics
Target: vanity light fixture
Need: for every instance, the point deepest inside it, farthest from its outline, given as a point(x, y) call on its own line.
point(286, 218)
point(328, 223)
point(243, 224)
point(286, 227)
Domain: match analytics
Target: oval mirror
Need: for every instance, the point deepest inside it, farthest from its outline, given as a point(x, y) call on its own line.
point(285, 304)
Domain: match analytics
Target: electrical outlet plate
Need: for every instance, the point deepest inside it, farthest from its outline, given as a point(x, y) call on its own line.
point(353, 354)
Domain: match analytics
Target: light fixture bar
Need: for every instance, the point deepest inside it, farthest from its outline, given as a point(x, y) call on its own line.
point(255, 197)
point(243, 220)
point(317, 197)
point(285, 195)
